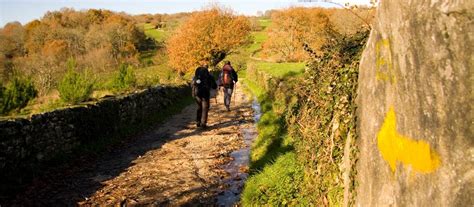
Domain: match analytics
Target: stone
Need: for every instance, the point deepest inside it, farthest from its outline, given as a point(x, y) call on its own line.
point(415, 100)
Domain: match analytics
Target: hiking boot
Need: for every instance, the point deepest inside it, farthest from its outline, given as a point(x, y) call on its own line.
point(198, 124)
point(203, 126)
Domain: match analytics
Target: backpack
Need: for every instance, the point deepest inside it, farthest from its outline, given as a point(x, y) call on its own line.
point(226, 76)
point(200, 83)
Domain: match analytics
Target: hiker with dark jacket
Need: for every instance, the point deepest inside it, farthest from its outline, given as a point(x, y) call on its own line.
point(202, 83)
point(227, 79)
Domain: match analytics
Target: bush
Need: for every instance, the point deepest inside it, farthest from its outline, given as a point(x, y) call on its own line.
point(75, 87)
point(125, 78)
point(16, 95)
point(327, 117)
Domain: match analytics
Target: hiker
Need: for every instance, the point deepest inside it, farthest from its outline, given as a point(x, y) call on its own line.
point(202, 83)
point(227, 79)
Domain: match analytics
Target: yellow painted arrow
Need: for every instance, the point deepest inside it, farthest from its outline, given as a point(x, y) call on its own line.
point(395, 147)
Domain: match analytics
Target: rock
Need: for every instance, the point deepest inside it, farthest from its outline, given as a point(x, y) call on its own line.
point(415, 100)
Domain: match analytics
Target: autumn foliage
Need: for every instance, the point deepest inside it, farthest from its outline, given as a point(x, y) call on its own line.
point(207, 36)
point(295, 28)
point(98, 40)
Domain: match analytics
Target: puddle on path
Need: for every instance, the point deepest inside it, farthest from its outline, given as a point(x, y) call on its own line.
point(238, 167)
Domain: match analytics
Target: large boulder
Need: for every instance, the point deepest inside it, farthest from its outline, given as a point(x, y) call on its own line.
point(415, 106)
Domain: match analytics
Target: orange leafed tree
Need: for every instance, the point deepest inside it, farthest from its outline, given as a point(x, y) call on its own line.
point(207, 36)
point(294, 27)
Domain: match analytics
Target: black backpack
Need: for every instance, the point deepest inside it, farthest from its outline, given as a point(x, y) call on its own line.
point(200, 83)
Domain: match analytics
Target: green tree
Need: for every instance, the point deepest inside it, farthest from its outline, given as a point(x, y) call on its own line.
point(125, 78)
point(75, 87)
point(17, 94)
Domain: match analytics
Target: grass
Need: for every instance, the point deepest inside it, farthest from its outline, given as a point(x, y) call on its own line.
point(103, 86)
point(276, 177)
point(258, 39)
point(158, 34)
point(146, 57)
point(272, 139)
point(280, 70)
point(265, 23)
point(276, 185)
point(157, 74)
point(275, 174)
point(146, 76)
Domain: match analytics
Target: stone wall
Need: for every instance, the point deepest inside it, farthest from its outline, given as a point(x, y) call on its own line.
point(415, 106)
point(26, 144)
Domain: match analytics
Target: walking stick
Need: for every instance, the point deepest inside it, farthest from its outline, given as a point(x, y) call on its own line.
point(235, 89)
point(217, 93)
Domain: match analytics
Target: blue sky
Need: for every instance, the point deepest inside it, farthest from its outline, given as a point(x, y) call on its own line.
point(27, 10)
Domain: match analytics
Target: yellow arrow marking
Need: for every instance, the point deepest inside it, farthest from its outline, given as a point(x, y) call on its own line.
point(396, 147)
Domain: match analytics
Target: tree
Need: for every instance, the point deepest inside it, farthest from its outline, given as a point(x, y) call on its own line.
point(207, 36)
point(17, 94)
point(11, 45)
point(97, 39)
point(294, 27)
point(75, 87)
point(12, 39)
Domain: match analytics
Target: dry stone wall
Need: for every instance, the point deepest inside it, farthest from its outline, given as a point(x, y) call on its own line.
point(27, 143)
point(415, 106)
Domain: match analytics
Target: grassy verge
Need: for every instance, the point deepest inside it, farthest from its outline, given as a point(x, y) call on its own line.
point(275, 173)
point(276, 176)
point(276, 185)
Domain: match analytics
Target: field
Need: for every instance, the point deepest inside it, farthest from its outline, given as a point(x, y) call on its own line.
point(265, 23)
point(259, 37)
point(158, 34)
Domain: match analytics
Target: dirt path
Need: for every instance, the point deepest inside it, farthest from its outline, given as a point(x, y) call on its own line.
point(173, 164)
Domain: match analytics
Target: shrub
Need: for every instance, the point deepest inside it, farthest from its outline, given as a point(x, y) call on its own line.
point(17, 94)
point(75, 87)
point(327, 118)
point(125, 78)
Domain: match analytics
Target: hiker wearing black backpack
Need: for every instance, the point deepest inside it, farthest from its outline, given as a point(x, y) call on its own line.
point(202, 83)
point(227, 79)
